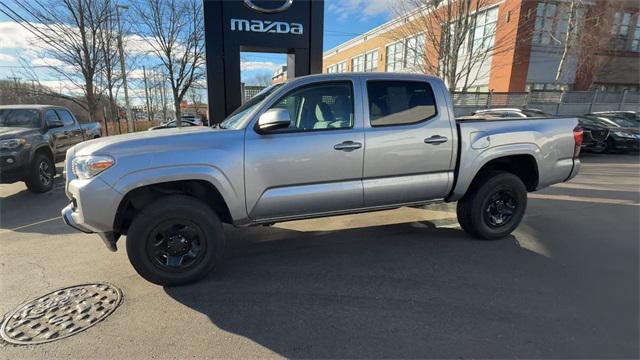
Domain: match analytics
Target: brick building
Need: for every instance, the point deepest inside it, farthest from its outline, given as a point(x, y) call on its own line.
point(524, 42)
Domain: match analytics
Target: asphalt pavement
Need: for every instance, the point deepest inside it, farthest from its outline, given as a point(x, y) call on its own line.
point(406, 283)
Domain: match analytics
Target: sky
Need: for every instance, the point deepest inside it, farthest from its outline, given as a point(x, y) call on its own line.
point(344, 19)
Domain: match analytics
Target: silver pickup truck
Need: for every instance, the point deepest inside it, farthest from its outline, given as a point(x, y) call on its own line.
point(315, 146)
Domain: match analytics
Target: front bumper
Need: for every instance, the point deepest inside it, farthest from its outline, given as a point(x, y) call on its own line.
point(13, 166)
point(69, 216)
point(93, 208)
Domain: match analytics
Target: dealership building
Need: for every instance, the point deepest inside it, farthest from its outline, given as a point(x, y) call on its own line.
point(527, 45)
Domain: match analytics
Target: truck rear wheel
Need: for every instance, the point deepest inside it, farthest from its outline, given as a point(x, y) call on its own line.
point(175, 240)
point(41, 173)
point(493, 206)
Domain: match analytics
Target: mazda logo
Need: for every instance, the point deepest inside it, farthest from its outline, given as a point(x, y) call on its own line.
point(273, 7)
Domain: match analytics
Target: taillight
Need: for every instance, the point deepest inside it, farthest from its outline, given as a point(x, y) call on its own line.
point(578, 134)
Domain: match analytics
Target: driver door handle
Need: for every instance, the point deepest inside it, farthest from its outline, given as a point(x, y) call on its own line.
point(435, 140)
point(348, 146)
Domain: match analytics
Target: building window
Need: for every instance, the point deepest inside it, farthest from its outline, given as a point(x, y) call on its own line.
point(543, 28)
point(357, 63)
point(485, 29)
point(415, 52)
point(635, 44)
point(620, 29)
point(406, 54)
point(371, 61)
point(546, 87)
point(337, 68)
point(395, 56)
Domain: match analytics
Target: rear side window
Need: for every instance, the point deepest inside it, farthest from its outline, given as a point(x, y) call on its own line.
point(66, 117)
point(400, 102)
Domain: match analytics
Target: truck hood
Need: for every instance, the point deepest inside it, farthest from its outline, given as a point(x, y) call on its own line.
point(7, 132)
point(148, 141)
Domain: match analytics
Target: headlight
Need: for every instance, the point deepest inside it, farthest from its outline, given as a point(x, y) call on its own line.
point(624, 134)
point(86, 167)
point(12, 143)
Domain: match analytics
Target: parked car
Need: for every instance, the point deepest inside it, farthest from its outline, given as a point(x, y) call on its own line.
point(627, 115)
point(193, 118)
point(624, 135)
point(314, 146)
point(174, 123)
point(510, 113)
point(595, 134)
point(33, 138)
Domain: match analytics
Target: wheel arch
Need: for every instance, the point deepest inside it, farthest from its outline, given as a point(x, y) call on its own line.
point(138, 198)
point(524, 164)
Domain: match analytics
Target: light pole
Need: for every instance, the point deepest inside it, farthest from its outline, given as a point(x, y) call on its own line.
point(130, 124)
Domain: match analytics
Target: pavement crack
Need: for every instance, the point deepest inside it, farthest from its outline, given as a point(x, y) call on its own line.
point(43, 273)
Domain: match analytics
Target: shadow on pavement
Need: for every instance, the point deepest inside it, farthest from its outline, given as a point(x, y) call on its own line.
point(402, 291)
point(27, 212)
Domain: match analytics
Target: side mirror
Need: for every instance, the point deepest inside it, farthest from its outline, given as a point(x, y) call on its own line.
point(51, 123)
point(274, 119)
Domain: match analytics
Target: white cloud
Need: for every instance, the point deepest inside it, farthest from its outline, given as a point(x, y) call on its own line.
point(5, 58)
point(46, 62)
point(362, 9)
point(14, 36)
point(258, 65)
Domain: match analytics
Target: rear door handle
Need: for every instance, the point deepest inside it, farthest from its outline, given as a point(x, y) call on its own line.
point(347, 146)
point(435, 140)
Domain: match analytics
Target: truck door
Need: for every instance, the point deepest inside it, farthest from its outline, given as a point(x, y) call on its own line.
point(71, 127)
point(60, 139)
point(409, 143)
point(315, 165)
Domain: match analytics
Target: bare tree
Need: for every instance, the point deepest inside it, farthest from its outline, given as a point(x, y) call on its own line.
point(459, 38)
point(68, 31)
point(174, 31)
point(262, 79)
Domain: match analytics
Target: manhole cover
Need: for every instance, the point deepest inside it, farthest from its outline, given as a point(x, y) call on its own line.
point(60, 314)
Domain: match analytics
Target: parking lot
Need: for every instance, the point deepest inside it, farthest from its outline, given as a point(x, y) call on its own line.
point(406, 283)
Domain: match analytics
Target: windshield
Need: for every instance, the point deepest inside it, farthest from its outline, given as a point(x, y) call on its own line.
point(23, 118)
point(623, 122)
point(236, 119)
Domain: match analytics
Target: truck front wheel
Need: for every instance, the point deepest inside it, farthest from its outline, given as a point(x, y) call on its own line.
point(175, 240)
point(41, 173)
point(493, 206)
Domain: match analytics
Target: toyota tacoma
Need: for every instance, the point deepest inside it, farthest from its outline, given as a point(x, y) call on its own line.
point(314, 146)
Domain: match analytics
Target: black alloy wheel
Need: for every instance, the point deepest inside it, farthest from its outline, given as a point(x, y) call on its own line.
point(176, 245)
point(499, 208)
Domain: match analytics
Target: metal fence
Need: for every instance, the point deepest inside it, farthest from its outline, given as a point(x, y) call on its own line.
point(552, 102)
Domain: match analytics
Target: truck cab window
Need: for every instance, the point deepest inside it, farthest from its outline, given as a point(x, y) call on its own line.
point(400, 102)
point(319, 107)
point(66, 117)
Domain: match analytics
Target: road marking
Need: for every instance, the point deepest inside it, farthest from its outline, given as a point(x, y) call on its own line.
point(30, 225)
point(584, 199)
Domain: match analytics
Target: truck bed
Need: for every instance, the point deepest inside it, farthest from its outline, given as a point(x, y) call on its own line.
point(548, 141)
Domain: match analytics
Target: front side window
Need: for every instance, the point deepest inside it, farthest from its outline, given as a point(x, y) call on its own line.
point(19, 118)
point(51, 116)
point(319, 107)
point(400, 102)
point(66, 117)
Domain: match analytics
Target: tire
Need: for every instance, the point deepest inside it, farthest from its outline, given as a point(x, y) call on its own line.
point(172, 227)
point(41, 173)
point(480, 213)
point(610, 148)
